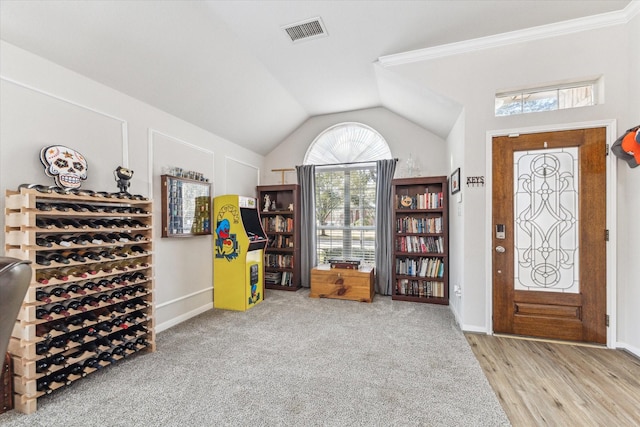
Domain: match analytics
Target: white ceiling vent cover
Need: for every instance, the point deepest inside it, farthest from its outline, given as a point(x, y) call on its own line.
point(306, 30)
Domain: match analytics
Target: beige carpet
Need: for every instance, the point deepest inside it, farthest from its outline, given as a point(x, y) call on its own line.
point(290, 361)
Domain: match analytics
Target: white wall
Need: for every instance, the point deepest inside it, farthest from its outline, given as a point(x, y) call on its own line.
point(404, 138)
point(473, 78)
point(629, 196)
point(455, 155)
point(42, 103)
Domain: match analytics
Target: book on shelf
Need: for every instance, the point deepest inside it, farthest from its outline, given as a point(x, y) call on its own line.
point(420, 201)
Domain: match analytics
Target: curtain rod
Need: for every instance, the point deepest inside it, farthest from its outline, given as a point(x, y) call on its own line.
point(352, 163)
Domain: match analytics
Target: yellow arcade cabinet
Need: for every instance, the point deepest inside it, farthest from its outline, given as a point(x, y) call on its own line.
point(238, 254)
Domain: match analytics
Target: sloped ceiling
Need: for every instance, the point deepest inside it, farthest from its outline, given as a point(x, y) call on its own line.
point(228, 67)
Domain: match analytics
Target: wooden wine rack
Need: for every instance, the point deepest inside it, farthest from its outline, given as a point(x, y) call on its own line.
point(21, 233)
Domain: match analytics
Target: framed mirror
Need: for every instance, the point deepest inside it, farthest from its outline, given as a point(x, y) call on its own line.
point(186, 207)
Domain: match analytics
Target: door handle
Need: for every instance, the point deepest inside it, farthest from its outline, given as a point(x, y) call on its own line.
point(500, 249)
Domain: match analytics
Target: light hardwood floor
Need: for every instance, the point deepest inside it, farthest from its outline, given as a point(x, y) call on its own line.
point(555, 384)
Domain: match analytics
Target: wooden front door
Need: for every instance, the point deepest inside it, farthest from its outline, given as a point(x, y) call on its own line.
point(549, 254)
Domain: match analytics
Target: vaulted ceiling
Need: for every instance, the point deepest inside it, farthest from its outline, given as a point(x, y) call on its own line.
point(230, 68)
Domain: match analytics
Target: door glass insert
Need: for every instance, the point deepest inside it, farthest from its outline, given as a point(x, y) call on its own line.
point(546, 220)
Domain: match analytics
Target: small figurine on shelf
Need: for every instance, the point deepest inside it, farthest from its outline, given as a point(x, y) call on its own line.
point(273, 206)
point(123, 175)
point(267, 203)
point(291, 207)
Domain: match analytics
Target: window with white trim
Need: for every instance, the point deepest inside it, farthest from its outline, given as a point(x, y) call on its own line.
point(345, 155)
point(548, 98)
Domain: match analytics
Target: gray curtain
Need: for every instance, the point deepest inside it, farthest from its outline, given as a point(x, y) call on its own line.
point(384, 226)
point(307, 182)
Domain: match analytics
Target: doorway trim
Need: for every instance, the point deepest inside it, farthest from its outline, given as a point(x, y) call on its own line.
point(611, 164)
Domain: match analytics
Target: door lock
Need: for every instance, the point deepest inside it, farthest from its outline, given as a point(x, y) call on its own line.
point(500, 249)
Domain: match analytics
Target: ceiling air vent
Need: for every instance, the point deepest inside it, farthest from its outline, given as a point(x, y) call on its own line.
point(306, 30)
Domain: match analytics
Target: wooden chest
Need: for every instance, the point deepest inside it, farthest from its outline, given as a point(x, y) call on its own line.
point(6, 382)
point(342, 283)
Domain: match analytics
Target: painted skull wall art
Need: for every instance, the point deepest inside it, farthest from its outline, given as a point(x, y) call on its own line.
point(66, 166)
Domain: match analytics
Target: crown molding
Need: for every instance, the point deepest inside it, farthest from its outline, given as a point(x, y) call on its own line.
point(603, 20)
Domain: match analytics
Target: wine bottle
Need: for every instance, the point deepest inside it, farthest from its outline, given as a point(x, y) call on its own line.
point(104, 223)
point(42, 260)
point(74, 304)
point(139, 238)
point(107, 254)
point(59, 342)
point(85, 239)
point(142, 341)
point(104, 326)
point(89, 301)
point(42, 347)
point(77, 337)
point(89, 223)
point(91, 316)
point(60, 293)
point(58, 274)
point(116, 281)
point(118, 294)
point(75, 271)
point(93, 208)
point(76, 320)
point(104, 238)
point(105, 298)
point(114, 237)
point(105, 356)
point(42, 277)
point(43, 223)
point(137, 224)
point(45, 207)
point(60, 376)
point(91, 255)
point(76, 369)
point(75, 288)
point(58, 309)
point(91, 363)
point(71, 222)
point(43, 242)
point(43, 296)
point(118, 351)
point(57, 257)
point(119, 308)
point(43, 313)
point(91, 286)
point(57, 359)
point(74, 256)
point(59, 240)
point(42, 365)
point(42, 385)
point(138, 250)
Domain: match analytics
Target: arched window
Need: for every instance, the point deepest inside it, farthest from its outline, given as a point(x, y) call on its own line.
point(347, 143)
point(345, 155)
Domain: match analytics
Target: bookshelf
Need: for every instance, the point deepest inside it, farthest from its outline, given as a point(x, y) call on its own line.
point(421, 240)
point(280, 220)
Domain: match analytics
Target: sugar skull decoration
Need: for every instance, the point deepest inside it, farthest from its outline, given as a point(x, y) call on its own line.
point(66, 166)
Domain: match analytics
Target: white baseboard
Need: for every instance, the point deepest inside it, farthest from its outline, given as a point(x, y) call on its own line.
point(186, 316)
point(631, 349)
point(474, 328)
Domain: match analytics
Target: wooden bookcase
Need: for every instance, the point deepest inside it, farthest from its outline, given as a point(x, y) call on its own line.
point(118, 323)
point(282, 225)
point(421, 240)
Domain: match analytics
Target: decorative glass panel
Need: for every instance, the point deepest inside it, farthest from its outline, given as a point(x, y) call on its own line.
point(546, 220)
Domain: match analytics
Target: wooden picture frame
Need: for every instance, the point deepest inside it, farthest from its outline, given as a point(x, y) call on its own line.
point(454, 182)
point(186, 207)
